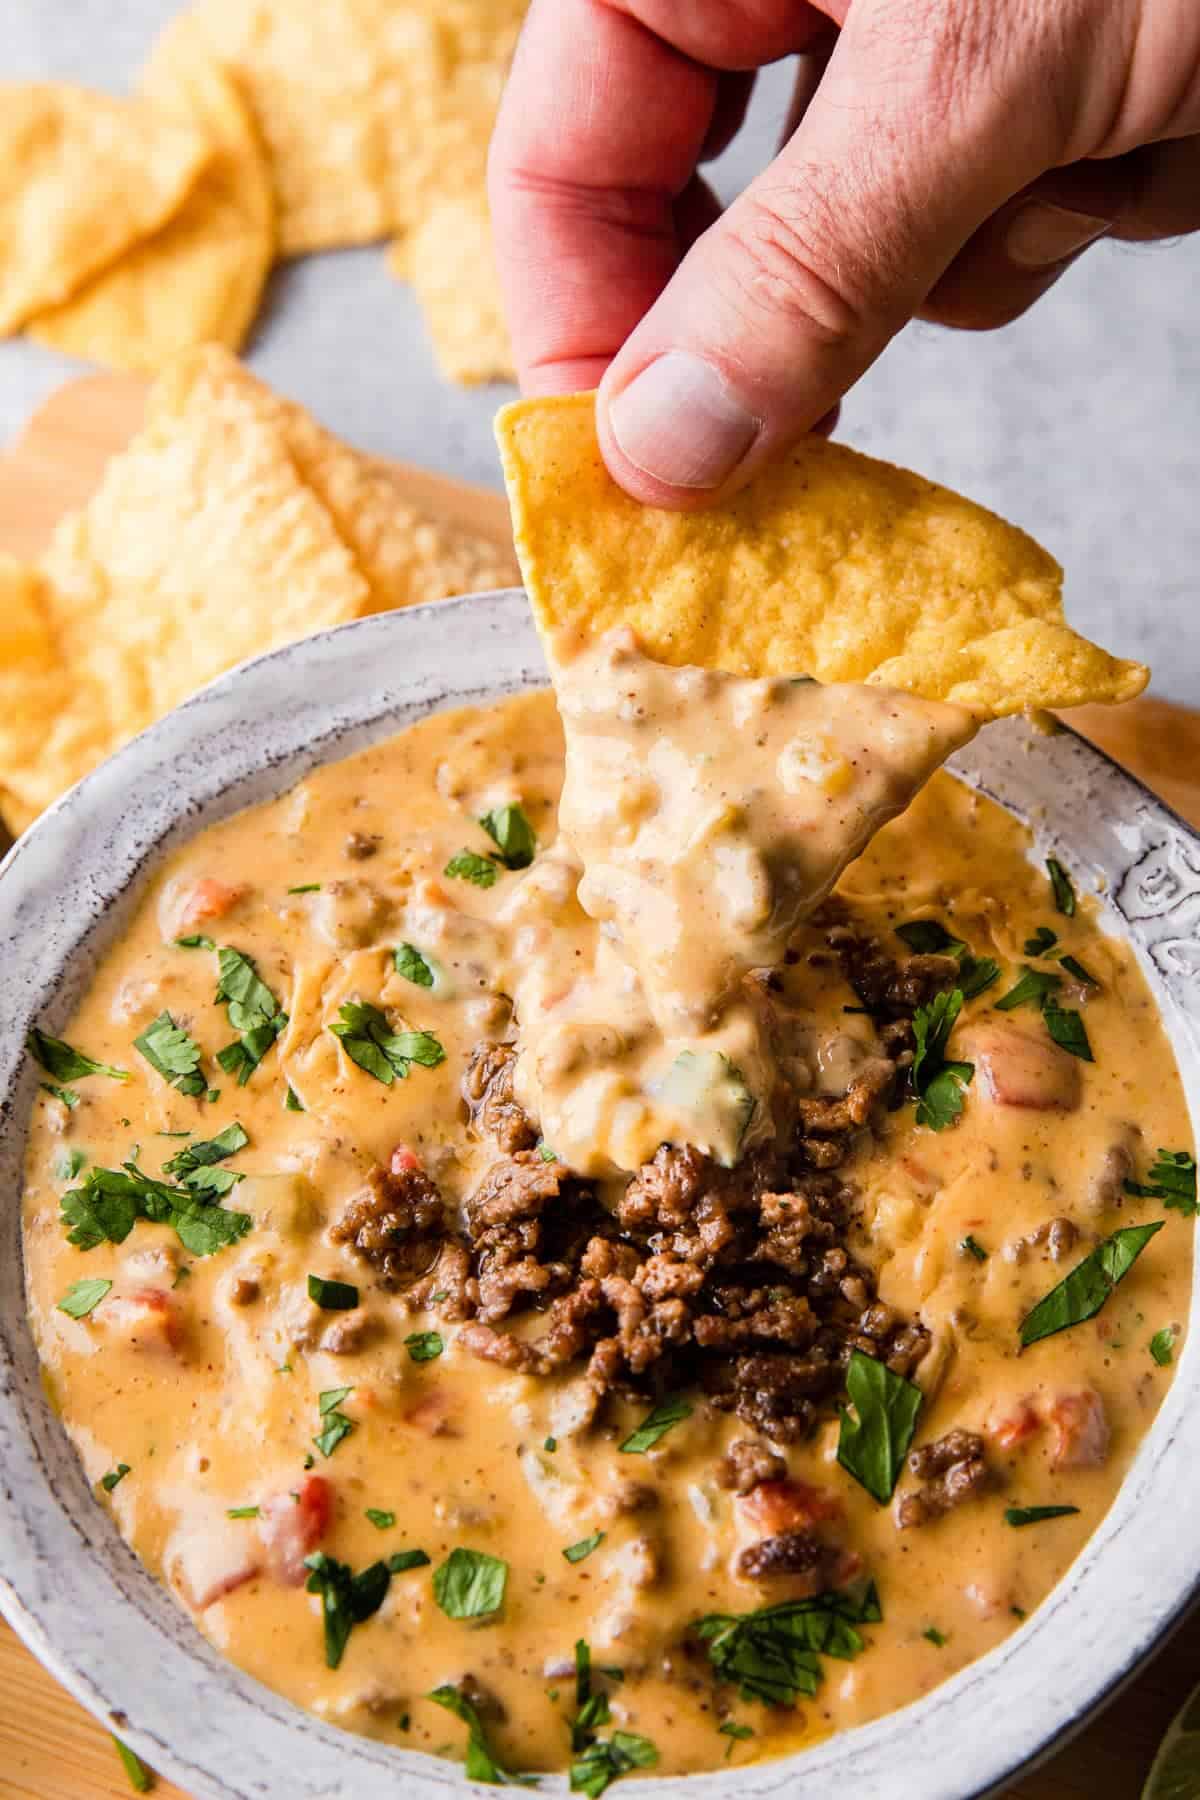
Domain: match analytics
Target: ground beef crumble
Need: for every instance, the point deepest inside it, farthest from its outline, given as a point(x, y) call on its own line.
point(950, 1470)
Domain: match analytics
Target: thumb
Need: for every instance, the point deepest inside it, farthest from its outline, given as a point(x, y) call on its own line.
point(913, 139)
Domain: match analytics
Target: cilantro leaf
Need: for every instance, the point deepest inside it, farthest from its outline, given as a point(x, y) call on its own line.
point(1067, 1029)
point(1074, 967)
point(82, 1296)
point(109, 1482)
point(470, 1584)
point(336, 1427)
point(402, 1560)
point(774, 1654)
point(333, 1296)
point(424, 1346)
point(109, 1202)
point(973, 1248)
point(195, 940)
point(576, 1552)
point(468, 866)
point(607, 1759)
point(1082, 1293)
point(1042, 942)
point(1061, 887)
point(928, 937)
point(65, 1063)
point(253, 1011)
point(658, 1421)
point(481, 1765)
point(1031, 989)
point(938, 1084)
point(68, 1163)
point(873, 1444)
point(382, 1521)
point(976, 974)
point(735, 1733)
point(242, 1512)
point(1033, 1515)
point(512, 834)
point(172, 1054)
point(1172, 1179)
point(368, 1040)
point(292, 1101)
point(1162, 1346)
point(195, 1165)
point(347, 1599)
point(140, 1778)
point(936, 1637)
point(67, 1095)
point(412, 965)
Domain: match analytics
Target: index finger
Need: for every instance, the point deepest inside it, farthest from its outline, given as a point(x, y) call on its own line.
point(600, 129)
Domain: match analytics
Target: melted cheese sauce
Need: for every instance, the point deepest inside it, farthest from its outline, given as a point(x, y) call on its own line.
point(203, 1374)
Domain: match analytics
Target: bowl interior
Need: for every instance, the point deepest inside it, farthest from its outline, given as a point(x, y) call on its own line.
point(68, 1582)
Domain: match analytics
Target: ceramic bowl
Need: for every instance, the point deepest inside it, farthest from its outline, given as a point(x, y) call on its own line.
point(70, 1585)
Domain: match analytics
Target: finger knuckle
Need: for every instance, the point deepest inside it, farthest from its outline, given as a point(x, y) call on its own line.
point(776, 256)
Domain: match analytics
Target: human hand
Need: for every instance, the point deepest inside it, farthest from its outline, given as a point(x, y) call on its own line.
point(954, 158)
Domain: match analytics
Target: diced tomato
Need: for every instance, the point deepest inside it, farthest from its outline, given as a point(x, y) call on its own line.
point(149, 1318)
point(208, 899)
point(431, 1415)
point(786, 1505)
point(1022, 1070)
point(1018, 1427)
point(291, 1526)
point(404, 1160)
point(1080, 1427)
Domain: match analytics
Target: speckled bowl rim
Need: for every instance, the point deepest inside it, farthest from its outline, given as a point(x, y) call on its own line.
point(73, 1589)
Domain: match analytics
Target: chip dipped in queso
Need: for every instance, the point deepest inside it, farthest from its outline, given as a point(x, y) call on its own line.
point(618, 1276)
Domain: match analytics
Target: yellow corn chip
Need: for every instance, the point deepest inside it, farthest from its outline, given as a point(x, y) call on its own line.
point(82, 177)
point(829, 564)
point(405, 556)
point(449, 260)
point(199, 278)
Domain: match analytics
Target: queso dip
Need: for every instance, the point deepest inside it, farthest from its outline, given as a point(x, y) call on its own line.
point(455, 1290)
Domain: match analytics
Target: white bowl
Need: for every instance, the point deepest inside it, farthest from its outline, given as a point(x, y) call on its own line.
point(74, 1590)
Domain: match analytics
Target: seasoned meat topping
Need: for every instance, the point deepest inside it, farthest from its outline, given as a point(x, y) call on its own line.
point(950, 1470)
point(397, 1224)
point(488, 1091)
point(746, 1463)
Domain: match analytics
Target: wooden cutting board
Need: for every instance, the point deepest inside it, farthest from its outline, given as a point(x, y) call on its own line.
point(50, 1749)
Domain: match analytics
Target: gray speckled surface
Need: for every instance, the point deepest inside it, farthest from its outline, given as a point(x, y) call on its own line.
point(1080, 421)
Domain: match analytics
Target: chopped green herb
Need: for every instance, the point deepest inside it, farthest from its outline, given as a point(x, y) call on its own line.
point(935, 1637)
point(336, 1427)
point(467, 866)
point(977, 973)
point(1042, 941)
point(82, 1296)
point(873, 1442)
point(512, 835)
point(412, 965)
point(547, 1152)
point(1018, 1612)
point(108, 1482)
point(347, 1599)
point(1060, 887)
point(659, 1420)
point(333, 1296)
point(1030, 989)
point(109, 1202)
point(402, 1560)
point(1067, 1029)
point(195, 940)
point(172, 1054)
point(68, 1163)
point(404, 1721)
point(1081, 1294)
point(64, 1062)
point(181, 1274)
point(1162, 1346)
point(141, 1779)
point(735, 1733)
point(1074, 967)
point(607, 1759)
point(937, 1083)
point(196, 1164)
point(470, 1584)
point(68, 1096)
point(292, 1101)
point(774, 1654)
point(423, 1346)
point(331, 1398)
point(253, 1011)
point(382, 1521)
point(551, 1444)
point(1033, 1515)
point(1172, 1179)
point(368, 1040)
point(576, 1552)
point(973, 1248)
point(306, 887)
point(242, 1512)
point(481, 1765)
point(927, 937)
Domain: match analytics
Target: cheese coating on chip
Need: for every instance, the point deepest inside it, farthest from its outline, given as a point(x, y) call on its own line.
point(82, 178)
point(200, 278)
point(828, 564)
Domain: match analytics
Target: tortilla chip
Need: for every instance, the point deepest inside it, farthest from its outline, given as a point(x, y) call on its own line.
point(200, 278)
point(449, 260)
point(829, 564)
point(405, 556)
point(82, 177)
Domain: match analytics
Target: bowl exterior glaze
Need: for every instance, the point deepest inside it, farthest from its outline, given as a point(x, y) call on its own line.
point(74, 1590)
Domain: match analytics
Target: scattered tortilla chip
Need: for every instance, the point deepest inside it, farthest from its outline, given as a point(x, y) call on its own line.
point(199, 279)
point(829, 564)
point(405, 556)
point(449, 260)
point(82, 177)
